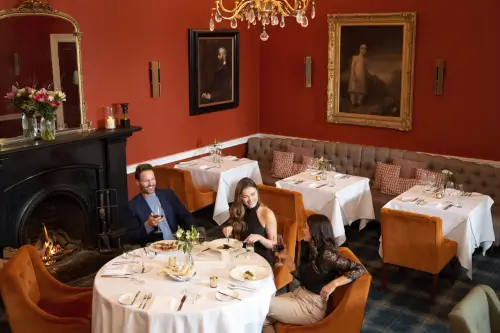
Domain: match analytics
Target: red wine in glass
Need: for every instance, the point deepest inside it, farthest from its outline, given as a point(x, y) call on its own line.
point(278, 247)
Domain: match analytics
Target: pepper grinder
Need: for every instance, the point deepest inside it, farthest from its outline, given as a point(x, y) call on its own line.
point(125, 122)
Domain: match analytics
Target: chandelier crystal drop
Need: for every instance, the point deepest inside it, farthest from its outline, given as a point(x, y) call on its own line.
point(267, 12)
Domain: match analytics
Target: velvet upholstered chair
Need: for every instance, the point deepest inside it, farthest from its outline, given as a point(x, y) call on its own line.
point(346, 307)
point(290, 214)
point(36, 302)
point(181, 182)
point(415, 241)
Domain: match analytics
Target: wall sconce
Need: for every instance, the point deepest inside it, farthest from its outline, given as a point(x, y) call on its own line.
point(154, 79)
point(439, 77)
point(15, 58)
point(308, 71)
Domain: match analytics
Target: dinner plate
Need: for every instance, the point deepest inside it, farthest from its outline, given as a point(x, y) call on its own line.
point(408, 199)
point(127, 299)
point(217, 243)
point(224, 298)
point(175, 247)
point(259, 272)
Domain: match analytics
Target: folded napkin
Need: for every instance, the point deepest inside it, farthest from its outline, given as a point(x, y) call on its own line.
point(314, 185)
point(230, 158)
point(186, 162)
point(204, 166)
point(162, 303)
point(115, 270)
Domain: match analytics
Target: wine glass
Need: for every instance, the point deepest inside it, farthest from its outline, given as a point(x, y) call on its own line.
point(277, 248)
point(202, 237)
point(250, 251)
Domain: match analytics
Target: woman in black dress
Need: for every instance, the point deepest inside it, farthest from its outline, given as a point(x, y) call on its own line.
point(250, 221)
point(322, 269)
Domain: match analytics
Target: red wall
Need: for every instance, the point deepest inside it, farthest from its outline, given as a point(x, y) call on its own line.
point(118, 43)
point(464, 121)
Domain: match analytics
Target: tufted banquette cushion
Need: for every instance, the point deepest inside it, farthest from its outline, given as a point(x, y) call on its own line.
point(361, 161)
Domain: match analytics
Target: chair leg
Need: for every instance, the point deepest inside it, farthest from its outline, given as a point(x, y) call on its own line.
point(434, 287)
point(384, 277)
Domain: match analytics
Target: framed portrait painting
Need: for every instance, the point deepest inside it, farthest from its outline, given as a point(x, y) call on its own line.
point(370, 69)
point(213, 70)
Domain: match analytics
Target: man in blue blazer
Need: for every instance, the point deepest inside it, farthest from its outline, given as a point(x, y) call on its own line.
point(155, 214)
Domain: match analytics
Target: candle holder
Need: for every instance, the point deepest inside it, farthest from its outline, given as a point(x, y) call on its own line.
point(125, 122)
point(110, 121)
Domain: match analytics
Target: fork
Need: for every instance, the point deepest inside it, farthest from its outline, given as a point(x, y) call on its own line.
point(147, 297)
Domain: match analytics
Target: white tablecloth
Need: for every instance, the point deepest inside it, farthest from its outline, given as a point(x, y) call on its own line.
point(222, 180)
point(205, 315)
point(470, 226)
point(349, 200)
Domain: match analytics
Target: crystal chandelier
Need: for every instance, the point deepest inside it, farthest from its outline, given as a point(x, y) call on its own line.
point(268, 12)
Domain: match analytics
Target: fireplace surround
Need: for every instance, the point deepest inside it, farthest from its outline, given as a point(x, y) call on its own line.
point(55, 183)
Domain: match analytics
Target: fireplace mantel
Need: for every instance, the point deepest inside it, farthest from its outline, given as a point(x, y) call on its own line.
point(78, 164)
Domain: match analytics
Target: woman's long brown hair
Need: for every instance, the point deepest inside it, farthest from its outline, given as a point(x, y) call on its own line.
point(237, 210)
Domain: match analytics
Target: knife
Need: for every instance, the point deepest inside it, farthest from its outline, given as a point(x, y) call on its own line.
point(321, 185)
point(450, 205)
point(135, 297)
point(182, 302)
point(220, 292)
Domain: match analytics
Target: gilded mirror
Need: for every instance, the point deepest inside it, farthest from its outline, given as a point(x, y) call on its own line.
point(40, 49)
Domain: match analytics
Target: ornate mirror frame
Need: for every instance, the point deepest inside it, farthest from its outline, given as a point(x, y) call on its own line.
point(42, 8)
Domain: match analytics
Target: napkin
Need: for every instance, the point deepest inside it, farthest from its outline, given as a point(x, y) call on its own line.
point(186, 162)
point(204, 166)
point(231, 158)
point(163, 302)
point(314, 185)
point(338, 175)
point(115, 270)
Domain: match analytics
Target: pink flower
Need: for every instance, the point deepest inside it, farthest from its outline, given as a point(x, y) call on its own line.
point(10, 95)
point(55, 105)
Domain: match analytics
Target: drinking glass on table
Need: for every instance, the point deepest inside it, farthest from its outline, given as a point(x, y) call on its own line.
point(250, 251)
point(277, 248)
point(450, 186)
point(460, 188)
point(202, 237)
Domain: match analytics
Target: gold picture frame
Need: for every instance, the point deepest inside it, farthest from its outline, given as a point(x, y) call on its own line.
point(375, 92)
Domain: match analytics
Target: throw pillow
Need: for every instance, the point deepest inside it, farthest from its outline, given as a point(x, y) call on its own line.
point(298, 168)
point(307, 160)
point(384, 170)
point(396, 186)
point(438, 176)
point(408, 168)
point(299, 152)
point(282, 164)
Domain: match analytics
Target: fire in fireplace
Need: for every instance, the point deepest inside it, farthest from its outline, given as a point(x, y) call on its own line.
point(54, 245)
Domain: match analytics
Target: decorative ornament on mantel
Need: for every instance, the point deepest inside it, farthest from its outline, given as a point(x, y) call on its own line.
point(268, 12)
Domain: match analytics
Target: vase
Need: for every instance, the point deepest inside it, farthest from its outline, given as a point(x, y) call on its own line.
point(47, 129)
point(216, 156)
point(188, 259)
point(29, 126)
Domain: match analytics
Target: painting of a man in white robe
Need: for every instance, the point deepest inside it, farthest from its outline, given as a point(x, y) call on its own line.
point(371, 70)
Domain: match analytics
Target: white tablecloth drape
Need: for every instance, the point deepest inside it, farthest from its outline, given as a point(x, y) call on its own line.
point(222, 179)
point(347, 201)
point(205, 315)
point(471, 226)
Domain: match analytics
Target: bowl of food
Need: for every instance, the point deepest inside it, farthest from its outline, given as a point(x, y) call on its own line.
point(179, 273)
point(164, 246)
point(249, 273)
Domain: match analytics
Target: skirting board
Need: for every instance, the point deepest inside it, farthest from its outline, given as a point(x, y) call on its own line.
point(243, 140)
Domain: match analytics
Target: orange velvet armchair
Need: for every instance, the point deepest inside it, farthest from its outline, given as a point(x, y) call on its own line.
point(346, 307)
point(36, 302)
point(181, 182)
point(289, 211)
point(415, 241)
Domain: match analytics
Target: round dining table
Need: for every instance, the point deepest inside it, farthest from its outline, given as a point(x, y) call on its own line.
point(204, 311)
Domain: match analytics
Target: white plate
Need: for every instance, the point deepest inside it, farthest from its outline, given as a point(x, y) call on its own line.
point(408, 199)
point(234, 243)
point(154, 249)
point(126, 299)
point(260, 273)
point(225, 298)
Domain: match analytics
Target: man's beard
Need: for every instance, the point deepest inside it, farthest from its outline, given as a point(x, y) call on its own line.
point(148, 189)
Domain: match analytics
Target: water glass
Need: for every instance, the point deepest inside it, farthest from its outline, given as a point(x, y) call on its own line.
point(460, 188)
point(250, 251)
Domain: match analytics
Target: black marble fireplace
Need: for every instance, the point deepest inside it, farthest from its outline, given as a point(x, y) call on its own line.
point(54, 184)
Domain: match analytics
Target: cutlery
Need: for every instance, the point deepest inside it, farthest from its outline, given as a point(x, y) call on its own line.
point(206, 249)
point(214, 166)
point(182, 302)
point(142, 268)
point(148, 297)
point(220, 292)
point(146, 252)
point(233, 286)
point(239, 254)
point(124, 262)
point(135, 297)
point(321, 185)
point(143, 300)
point(117, 276)
point(448, 207)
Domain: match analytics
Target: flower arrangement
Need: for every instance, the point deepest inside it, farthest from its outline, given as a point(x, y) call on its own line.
point(448, 175)
point(321, 164)
point(30, 101)
point(186, 238)
point(215, 147)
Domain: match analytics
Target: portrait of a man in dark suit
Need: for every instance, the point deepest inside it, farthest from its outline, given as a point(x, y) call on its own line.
point(216, 71)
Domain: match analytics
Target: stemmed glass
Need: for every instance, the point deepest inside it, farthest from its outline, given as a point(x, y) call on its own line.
point(277, 248)
point(202, 237)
